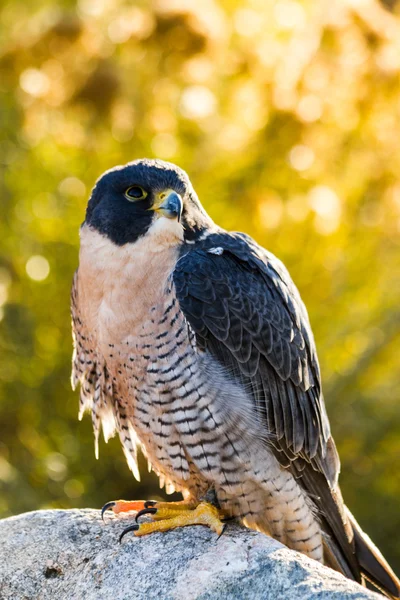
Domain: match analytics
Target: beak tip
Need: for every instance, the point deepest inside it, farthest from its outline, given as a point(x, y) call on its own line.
point(172, 206)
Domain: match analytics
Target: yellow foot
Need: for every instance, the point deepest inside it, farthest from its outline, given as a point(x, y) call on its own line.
point(168, 515)
point(119, 506)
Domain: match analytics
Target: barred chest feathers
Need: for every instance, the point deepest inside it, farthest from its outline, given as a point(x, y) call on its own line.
point(145, 378)
point(126, 305)
point(161, 390)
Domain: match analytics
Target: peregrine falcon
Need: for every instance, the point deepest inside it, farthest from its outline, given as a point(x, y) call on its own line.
point(193, 343)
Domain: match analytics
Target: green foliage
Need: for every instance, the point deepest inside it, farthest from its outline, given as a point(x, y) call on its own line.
point(286, 116)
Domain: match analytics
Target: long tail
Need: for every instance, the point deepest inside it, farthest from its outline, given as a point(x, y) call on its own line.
point(373, 566)
point(347, 548)
point(367, 564)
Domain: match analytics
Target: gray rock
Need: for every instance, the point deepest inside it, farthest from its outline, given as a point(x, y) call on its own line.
point(73, 555)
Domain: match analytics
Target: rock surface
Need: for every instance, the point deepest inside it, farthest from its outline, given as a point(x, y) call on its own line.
point(73, 555)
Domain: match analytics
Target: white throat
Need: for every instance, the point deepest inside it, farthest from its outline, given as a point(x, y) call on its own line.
point(118, 285)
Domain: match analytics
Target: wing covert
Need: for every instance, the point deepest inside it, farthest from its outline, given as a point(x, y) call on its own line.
point(246, 311)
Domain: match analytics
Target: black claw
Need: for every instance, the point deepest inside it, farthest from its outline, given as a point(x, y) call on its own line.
point(150, 503)
point(106, 507)
point(222, 532)
point(127, 530)
point(146, 511)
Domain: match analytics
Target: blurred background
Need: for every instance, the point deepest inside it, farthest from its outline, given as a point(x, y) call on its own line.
point(286, 116)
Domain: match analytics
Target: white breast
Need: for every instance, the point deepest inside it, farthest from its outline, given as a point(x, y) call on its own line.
point(118, 285)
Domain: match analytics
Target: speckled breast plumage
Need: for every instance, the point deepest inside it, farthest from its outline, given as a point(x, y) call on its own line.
point(193, 343)
point(147, 380)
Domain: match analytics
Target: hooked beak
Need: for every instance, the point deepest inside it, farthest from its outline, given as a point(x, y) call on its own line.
point(169, 204)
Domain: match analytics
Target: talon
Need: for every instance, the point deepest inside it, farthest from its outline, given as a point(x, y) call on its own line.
point(223, 529)
point(106, 507)
point(146, 511)
point(127, 530)
point(167, 515)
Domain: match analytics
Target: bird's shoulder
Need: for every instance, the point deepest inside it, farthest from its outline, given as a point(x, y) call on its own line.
point(240, 252)
point(232, 269)
point(246, 311)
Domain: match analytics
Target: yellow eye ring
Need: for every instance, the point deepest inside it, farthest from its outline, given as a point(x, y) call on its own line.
point(135, 193)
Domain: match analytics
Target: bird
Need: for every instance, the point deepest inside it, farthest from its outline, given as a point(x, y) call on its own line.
point(193, 344)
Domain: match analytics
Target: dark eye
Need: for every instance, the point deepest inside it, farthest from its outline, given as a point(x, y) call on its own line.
point(135, 192)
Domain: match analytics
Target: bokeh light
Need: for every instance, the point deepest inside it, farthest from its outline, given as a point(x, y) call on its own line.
point(37, 268)
point(286, 116)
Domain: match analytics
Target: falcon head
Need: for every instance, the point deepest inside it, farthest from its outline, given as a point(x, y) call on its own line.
point(129, 201)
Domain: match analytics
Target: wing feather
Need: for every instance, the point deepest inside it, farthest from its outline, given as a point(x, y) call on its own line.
point(243, 305)
point(246, 311)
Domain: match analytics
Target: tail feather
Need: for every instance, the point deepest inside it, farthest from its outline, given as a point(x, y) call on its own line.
point(347, 548)
point(335, 559)
point(373, 566)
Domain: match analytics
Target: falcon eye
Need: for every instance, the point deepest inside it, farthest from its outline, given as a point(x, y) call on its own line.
point(135, 192)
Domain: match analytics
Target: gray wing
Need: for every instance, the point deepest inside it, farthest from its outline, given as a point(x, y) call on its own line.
point(246, 311)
